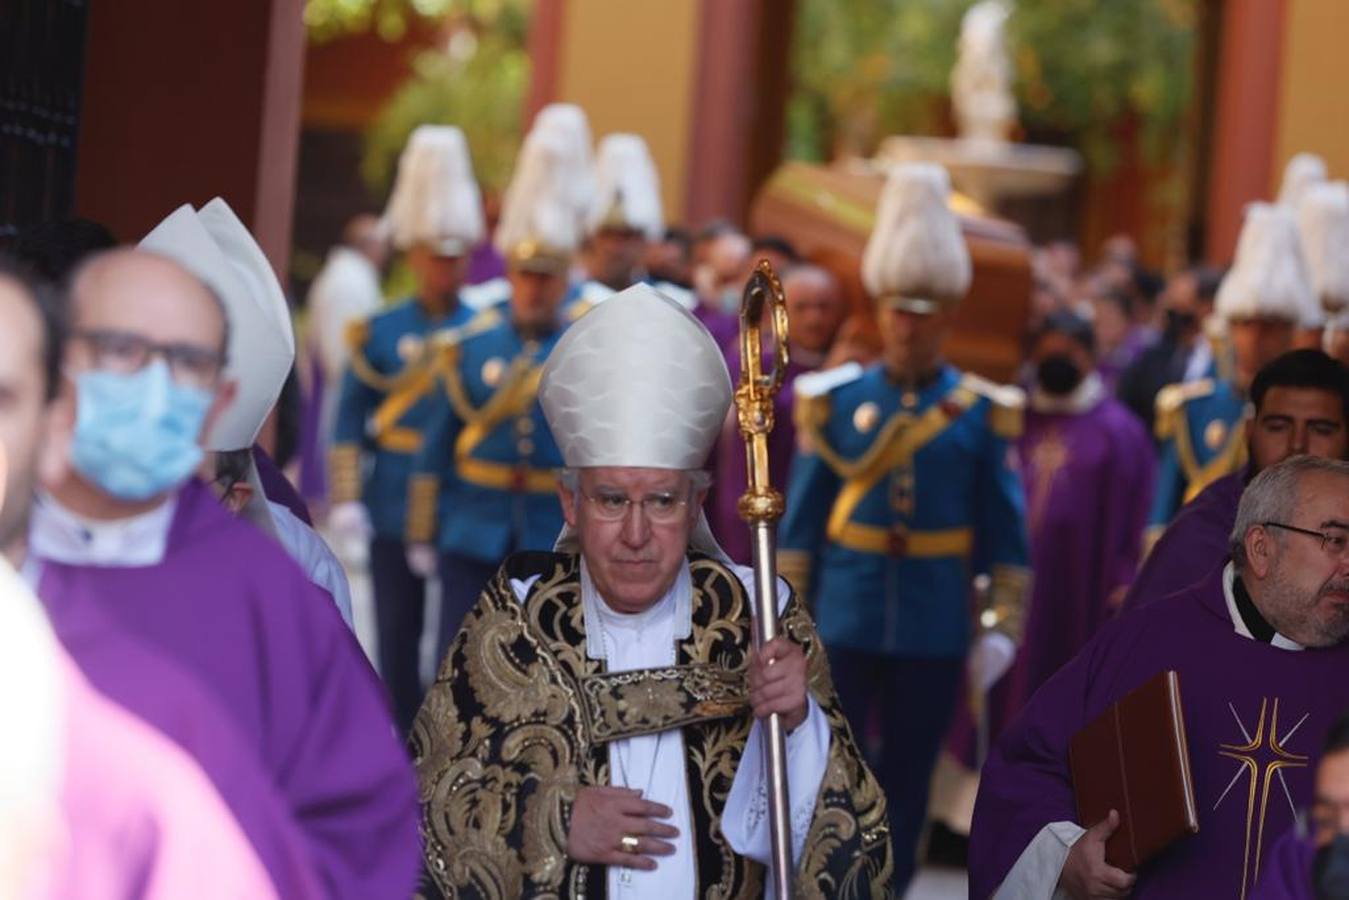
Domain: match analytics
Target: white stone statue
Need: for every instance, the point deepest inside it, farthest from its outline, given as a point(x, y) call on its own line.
point(981, 82)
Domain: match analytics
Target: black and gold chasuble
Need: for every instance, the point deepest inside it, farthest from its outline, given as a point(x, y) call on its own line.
point(519, 719)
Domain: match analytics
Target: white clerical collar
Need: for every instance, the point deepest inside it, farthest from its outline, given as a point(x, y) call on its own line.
point(676, 604)
point(1239, 624)
point(1084, 397)
point(59, 535)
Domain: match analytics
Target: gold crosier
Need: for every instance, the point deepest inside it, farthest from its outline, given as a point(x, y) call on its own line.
point(761, 506)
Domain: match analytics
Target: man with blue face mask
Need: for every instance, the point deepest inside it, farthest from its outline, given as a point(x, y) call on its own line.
point(131, 543)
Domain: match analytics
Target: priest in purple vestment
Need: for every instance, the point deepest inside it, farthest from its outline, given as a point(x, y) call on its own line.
point(1301, 404)
point(33, 434)
point(129, 541)
point(815, 310)
point(1086, 465)
point(1260, 651)
point(1302, 865)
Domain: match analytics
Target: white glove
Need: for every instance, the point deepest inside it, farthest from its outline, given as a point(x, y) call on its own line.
point(349, 524)
point(990, 659)
point(422, 560)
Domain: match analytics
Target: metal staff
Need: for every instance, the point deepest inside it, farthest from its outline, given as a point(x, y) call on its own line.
point(761, 507)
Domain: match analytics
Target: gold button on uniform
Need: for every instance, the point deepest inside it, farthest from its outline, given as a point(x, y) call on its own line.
point(865, 417)
point(1215, 434)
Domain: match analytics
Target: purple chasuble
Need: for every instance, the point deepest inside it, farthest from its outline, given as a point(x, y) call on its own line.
point(1088, 481)
point(723, 326)
point(277, 486)
point(1254, 716)
point(228, 606)
point(169, 698)
point(313, 442)
point(1287, 874)
point(729, 476)
point(484, 264)
point(1193, 545)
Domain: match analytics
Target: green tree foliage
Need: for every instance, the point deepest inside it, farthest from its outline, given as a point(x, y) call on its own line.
point(475, 79)
point(482, 93)
point(1082, 67)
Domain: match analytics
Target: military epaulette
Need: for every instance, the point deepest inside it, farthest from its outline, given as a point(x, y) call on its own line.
point(812, 406)
point(1007, 412)
point(454, 336)
point(1172, 399)
point(681, 295)
point(817, 384)
point(487, 294)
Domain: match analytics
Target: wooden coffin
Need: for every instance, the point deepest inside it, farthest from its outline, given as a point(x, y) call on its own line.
point(828, 212)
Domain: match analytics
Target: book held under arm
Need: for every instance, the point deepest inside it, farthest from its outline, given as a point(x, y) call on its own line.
point(1133, 758)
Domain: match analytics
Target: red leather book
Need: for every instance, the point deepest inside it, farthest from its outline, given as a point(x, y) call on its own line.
point(1133, 759)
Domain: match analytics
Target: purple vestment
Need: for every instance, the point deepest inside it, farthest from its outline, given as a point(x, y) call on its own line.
point(1194, 544)
point(1287, 873)
point(277, 486)
point(723, 326)
point(228, 607)
point(729, 476)
point(1254, 715)
point(484, 264)
point(1088, 481)
point(173, 701)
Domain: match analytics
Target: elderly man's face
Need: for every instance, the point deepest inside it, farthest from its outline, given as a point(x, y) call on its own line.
point(1306, 591)
point(633, 549)
point(26, 418)
point(1293, 421)
point(814, 310)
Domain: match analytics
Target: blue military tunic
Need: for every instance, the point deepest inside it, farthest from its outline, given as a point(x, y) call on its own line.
point(485, 482)
point(385, 404)
point(1199, 424)
point(897, 498)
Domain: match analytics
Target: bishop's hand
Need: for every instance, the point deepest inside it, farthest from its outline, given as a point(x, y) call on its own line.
point(1086, 875)
point(614, 826)
point(777, 682)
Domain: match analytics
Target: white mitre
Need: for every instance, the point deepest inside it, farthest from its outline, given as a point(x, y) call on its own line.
point(1268, 278)
point(216, 247)
point(627, 188)
point(542, 214)
point(1302, 171)
point(916, 257)
point(435, 199)
point(1323, 223)
point(637, 383)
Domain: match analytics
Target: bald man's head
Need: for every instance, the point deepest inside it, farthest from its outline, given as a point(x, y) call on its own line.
point(147, 295)
point(815, 307)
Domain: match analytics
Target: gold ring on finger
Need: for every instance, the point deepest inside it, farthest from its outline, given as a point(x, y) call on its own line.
point(628, 843)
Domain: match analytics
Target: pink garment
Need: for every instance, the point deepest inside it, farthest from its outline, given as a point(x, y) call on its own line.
point(140, 819)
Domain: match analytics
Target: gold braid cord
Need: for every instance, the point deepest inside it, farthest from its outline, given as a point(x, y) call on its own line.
point(513, 726)
point(344, 468)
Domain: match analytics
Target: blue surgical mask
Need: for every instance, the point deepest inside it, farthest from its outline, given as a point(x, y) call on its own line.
point(136, 435)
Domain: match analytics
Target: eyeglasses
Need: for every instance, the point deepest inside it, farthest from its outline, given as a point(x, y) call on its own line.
point(663, 509)
point(1333, 541)
point(124, 352)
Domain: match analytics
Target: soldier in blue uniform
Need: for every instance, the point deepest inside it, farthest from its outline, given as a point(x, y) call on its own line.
point(485, 484)
point(1260, 304)
point(902, 492)
point(435, 214)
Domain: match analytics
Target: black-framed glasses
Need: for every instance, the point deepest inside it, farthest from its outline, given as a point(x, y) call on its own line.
point(663, 508)
point(125, 352)
point(1333, 541)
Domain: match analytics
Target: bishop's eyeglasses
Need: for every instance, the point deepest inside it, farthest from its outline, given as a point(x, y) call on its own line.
point(661, 508)
point(1333, 540)
point(125, 352)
